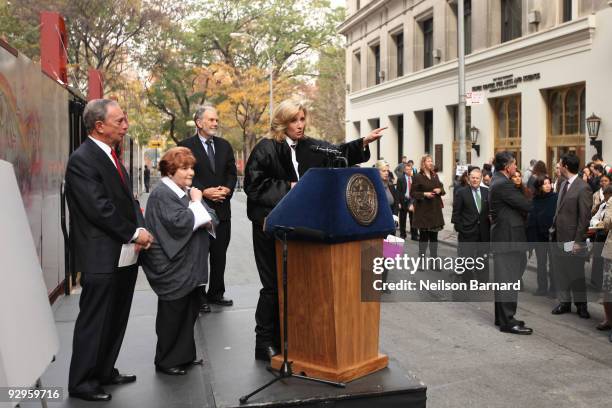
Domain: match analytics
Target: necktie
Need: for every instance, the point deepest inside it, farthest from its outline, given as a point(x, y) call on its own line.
point(478, 200)
point(211, 153)
point(408, 182)
point(564, 192)
point(117, 165)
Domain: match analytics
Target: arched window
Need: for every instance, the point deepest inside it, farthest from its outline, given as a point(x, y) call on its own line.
point(514, 122)
point(571, 113)
point(556, 114)
point(582, 111)
point(501, 119)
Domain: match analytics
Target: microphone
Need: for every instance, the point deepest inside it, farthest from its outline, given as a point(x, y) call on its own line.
point(300, 231)
point(327, 150)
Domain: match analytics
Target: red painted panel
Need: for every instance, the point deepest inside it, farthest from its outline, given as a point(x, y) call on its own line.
point(53, 46)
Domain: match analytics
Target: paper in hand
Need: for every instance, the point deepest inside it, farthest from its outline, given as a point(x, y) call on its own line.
point(129, 255)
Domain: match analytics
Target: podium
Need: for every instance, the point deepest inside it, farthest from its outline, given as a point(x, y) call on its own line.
point(339, 218)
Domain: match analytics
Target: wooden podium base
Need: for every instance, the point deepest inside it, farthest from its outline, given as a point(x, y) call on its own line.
point(341, 375)
point(333, 333)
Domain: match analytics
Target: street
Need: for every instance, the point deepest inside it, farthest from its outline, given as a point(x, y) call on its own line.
point(461, 356)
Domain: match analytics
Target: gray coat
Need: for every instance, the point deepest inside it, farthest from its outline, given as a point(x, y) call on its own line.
point(177, 261)
point(573, 213)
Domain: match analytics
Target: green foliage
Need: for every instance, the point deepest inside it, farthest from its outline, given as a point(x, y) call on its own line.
point(329, 107)
point(162, 58)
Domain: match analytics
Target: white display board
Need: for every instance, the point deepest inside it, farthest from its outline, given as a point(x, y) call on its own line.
point(28, 336)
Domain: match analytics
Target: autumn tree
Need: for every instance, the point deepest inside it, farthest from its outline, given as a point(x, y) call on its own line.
point(102, 34)
point(284, 33)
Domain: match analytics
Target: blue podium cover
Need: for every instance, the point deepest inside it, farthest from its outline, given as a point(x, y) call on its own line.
point(317, 210)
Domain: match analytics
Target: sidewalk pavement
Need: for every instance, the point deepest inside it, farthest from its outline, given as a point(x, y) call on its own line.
point(454, 348)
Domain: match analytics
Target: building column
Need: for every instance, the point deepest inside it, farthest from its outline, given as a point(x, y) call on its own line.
point(533, 126)
point(443, 131)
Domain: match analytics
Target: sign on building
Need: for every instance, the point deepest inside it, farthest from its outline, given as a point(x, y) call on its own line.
point(474, 98)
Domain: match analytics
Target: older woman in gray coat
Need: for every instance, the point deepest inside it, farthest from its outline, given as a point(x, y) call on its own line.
point(176, 263)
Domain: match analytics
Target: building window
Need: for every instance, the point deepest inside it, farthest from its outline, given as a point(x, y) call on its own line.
point(376, 53)
point(556, 113)
point(566, 110)
point(508, 125)
point(566, 123)
point(397, 122)
point(508, 116)
point(374, 77)
point(357, 129)
point(375, 124)
point(571, 112)
point(567, 10)
point(397, 41)
point(427, 28)
point(428, 131)
point(357, 4)
point(356, 74)
point(582, 111)
point(511, 19)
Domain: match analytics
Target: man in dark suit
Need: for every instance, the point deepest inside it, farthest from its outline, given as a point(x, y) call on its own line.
point(215, 175)
point(104, 216)
point(471, 219)
point(406, 208)
point(509, 207)
point(569, 229)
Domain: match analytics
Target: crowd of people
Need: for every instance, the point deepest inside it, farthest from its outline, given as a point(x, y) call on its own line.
point(182, 240)
point(562, 217)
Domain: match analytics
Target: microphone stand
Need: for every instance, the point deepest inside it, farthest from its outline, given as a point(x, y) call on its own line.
point(285, 370)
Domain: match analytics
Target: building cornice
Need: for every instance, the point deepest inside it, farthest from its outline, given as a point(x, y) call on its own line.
point(360, 15)
point(577, 32)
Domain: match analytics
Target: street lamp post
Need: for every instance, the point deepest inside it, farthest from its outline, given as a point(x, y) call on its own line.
point(461, 80)
point(593, 122)
point(270, 68)
point(474, 131)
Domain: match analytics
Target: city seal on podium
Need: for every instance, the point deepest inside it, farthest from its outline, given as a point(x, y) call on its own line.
point(361, 199)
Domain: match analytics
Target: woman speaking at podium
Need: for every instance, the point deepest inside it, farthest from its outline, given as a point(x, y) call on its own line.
point(275, 165)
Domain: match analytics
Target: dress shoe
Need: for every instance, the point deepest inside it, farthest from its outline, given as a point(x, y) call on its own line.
point(516, 329)
point(205, 308)
point(120, 379)
point(196, 362)
point(171, 370)
point(562, 308)
point(221, 301)
point(515, 322)
point(99, 395)
point(265, 353)
point(583, 312)
point(603, 326)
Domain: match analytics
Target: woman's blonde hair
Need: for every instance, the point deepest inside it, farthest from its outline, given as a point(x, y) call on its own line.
point(283, 115)
point(381, 164)
point(423, 159)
